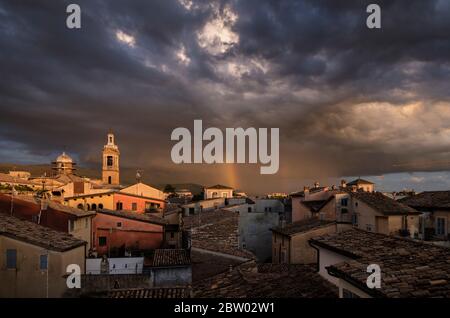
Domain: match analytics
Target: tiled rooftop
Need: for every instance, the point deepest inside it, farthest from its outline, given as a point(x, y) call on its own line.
point(409, 268)
point(429, 200)
point(24, 201)
point(133, 215)
point(383, 204)
point(266, 281)
point(6, 178)
point(157, 293)
point(359, 181)
point(302, 226)
point(171, 257)
point(219, 187)
point(216, 231)
point(205, 265)
point(35, 234)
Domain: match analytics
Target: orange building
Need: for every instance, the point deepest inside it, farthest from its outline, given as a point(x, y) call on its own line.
point(116, 200)
point(117, 232)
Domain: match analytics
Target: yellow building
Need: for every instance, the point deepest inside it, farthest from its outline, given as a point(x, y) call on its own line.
point(34, 259)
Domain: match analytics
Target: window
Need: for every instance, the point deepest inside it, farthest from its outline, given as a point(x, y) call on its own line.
point(100, 206)
point(43, 262)
point(369, 227)
point(119, 224)
point(109, 161)
point(224, 194)
point(109, 180)
point(80, 206)
point(344, 202)
point(404, 223)
point(249, 209)
point(102, 241)
point(11, 259)
point(172, 235)
point(71, 225)
point(94, 207)
point(355, 219)
point(148, 206)
point(356, 204)
point(134, 206)
point(119, 206)
point(440, 226)
point(344, 211)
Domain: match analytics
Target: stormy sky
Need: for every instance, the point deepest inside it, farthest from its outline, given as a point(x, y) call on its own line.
point(349, 101)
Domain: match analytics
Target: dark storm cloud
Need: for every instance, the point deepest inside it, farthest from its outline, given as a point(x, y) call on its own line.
point(348, 100)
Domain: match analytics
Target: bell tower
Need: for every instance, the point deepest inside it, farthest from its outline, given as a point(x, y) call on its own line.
point(111, 154)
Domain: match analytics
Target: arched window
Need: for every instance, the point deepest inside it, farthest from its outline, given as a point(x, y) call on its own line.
point(94, 206)
point(215, 195)
point(80, 206)
point(100, 206)
point(88, 207)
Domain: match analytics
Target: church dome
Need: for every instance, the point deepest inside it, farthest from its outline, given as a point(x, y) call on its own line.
point(64, 158)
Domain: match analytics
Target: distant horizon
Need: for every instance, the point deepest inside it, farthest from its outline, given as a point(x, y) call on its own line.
point(418, 181)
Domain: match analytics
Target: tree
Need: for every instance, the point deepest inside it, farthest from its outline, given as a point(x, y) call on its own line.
point(169, 189)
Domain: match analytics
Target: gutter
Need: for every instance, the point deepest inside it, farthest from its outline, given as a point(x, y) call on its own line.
point(331, 270)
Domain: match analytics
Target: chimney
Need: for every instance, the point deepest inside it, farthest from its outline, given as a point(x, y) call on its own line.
point(343, 183)
point(306, 192)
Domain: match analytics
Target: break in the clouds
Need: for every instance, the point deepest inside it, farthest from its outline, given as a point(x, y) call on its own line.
point(348, 100)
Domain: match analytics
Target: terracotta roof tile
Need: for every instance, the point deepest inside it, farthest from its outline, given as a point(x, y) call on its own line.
point(249, 280)
point(219, 186)
point(150, 293)
point(383, 204)
point(35, 234)
point(302, 226)
point(409, 268)
point(171, 257)
point(216, 231)
point(132, 215)
point(429, 200)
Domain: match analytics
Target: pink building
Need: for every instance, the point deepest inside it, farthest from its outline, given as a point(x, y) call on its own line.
point(117, 232)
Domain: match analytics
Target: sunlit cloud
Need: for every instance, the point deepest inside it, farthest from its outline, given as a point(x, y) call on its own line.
point(125, 38)
point(182, 56)
point(187, 4)
point(217, 36)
